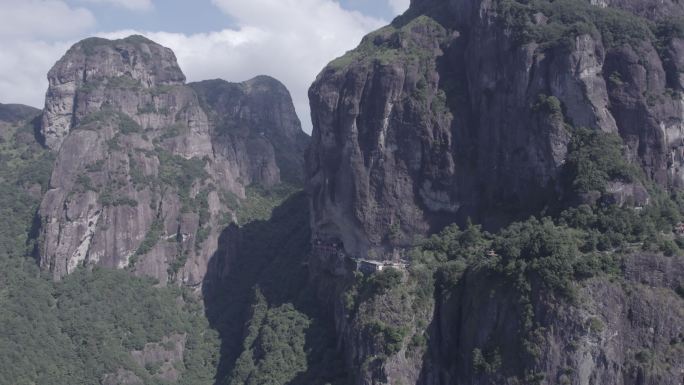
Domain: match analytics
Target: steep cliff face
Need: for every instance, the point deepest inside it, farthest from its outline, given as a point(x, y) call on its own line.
point(465, 109)
point(144, 178)
point(487, 320)
point(96, 73)
point(621, 332)
point(486, 110)
point(259, 115)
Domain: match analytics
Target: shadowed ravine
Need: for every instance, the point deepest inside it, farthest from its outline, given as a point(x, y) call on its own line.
point(271, 256)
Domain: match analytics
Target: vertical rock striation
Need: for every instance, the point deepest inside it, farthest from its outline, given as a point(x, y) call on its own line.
point(149, 170)
point(464, 109)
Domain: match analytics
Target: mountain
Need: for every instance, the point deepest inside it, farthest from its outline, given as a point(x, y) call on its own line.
point(438, 138)
point(148, 169)
point(109, 326)
point(260, 114)
point(492, 195)
point(461, 109)
point(126, 156)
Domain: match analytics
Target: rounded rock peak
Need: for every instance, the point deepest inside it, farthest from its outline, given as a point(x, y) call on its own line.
point(261, 84)
point(265, 82)
point(97, 72)
point(135, 56)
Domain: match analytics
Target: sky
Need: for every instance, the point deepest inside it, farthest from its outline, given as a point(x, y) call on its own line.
point(235, 40)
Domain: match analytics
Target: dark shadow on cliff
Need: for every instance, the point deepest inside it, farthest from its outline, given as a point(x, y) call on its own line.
point(485, 194)
point(272, 256)
point(484, 312)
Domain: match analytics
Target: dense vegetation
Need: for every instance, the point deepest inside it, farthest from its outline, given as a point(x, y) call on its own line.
point(568, 19)
point(78, 330)
point(24, 176)
point(392, 44)
point(84, 327)
point(596, 158)
point(260, 202)
point(542, 257)
point(539, 260)
point(273, 331)
point(274, 345)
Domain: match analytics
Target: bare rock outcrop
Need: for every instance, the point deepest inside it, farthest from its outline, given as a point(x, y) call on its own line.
point(122, 377)
point(622, 332)
point(256, 115)
point(99, 72)
point(145, 176)
point(467, 110)
point(464, 109)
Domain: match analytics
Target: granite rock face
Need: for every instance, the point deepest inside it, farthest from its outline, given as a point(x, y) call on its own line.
point(627, 331)
point(455, 112)
point(465, 110)
point(146, 177)
point(257, 114)
point(122, 377)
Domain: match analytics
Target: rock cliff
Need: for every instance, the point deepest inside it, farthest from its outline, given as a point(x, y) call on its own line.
point(483, 111)
point(488, 110)
point(618, 330)
point(465, 109)
point(97, 72)
point(626, 332)
point(256, 114)
point(149, 170)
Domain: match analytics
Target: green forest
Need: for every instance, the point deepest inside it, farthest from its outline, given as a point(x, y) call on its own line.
point(549, 256)
point(84, 327)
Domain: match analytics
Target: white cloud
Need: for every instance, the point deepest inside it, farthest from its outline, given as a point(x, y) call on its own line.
point(135, 5)
point(297, 38)
point(42, 19)
point(25, 56)
point(291, 40)
point(399, 6)
point(23, 70)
